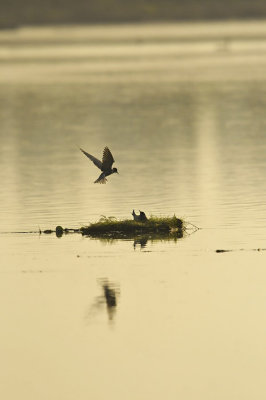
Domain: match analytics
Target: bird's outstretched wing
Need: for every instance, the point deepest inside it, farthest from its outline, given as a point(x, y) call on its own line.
point(108, 159)
point(95, 160)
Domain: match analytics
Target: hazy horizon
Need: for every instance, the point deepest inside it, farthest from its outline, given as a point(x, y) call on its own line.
point(118, 11)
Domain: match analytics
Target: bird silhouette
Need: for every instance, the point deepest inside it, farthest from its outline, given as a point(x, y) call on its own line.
point(141, 217)
point(105, 165)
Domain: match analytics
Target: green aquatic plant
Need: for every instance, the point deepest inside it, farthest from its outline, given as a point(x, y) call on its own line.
point(107, 219)
point(108, 225)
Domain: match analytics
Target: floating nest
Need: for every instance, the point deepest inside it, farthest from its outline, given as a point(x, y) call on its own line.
point(153, 225)
point(140, 229)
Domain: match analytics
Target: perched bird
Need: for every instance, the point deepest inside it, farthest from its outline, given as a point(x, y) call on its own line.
point(105, 165)
point(139, 218)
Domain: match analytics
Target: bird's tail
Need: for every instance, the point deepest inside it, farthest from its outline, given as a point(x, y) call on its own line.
point(101, 180)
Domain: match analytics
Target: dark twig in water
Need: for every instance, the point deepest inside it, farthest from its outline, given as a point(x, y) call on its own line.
point(193, 226)
point(229, 250)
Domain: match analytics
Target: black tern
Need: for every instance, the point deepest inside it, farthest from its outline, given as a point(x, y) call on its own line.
point(105, 165)
point(141, 217)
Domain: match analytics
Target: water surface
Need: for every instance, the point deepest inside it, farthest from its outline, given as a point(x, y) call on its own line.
point(184, 115)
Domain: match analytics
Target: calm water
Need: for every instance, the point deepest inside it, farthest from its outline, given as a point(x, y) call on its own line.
point(182, 107)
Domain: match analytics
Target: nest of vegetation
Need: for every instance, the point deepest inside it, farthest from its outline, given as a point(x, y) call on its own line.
point(111, 225)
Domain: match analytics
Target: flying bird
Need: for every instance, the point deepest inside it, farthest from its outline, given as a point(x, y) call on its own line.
point(105, 165)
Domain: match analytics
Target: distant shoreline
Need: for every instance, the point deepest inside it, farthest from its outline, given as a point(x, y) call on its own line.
point(81, 12)
point(62, 24)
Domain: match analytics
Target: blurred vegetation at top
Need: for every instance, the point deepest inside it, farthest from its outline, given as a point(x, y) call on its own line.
point(15, 13)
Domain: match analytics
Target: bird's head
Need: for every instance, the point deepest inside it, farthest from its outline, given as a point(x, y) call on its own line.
point(114, 170)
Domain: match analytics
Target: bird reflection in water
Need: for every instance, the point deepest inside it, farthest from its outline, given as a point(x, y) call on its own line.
point(141, 241)
point(110, 293)
point(109, 297)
